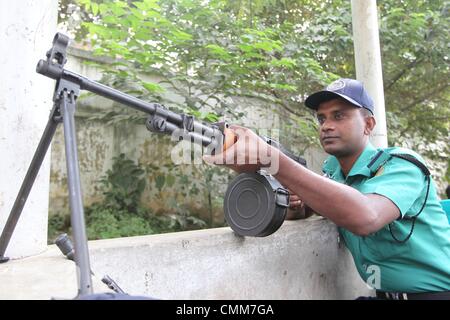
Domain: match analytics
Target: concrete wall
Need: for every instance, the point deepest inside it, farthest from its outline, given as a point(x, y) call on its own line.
point(26, 33)
point(302, 260)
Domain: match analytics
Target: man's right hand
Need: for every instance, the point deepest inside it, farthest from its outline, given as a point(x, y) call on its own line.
point(297, 208)
point(249, 153)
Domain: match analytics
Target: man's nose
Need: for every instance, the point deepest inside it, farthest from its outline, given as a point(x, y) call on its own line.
point(327, 125)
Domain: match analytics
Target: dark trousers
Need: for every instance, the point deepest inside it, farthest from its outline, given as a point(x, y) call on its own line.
point(443, 295)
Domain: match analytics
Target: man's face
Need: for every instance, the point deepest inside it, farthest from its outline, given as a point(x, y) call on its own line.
point(343, 128)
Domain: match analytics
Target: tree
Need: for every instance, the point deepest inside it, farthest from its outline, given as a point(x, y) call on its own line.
point(416, 67)
point(278, 51)
point(208, 55)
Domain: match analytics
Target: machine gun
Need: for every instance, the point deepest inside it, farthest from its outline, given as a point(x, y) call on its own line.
point(255, 203)
point(267, 199)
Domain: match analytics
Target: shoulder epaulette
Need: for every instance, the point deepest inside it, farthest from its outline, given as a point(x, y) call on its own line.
point(382, 156)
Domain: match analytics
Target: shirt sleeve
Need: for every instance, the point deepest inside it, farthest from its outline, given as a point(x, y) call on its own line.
point(400, 181)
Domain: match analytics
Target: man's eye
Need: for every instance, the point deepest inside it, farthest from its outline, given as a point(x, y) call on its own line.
point(338, 116)
point(320, 120)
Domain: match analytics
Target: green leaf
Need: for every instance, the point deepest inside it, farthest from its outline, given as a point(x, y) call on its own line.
point(181, 36)
point(160, 181)
point(170, 181)
point(284, 62)
point(219, 52)
point(153, 87)
point(117, 10)
point(94, 7)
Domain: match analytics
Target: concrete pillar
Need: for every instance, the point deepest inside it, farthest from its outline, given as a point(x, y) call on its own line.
point(368, 61)
point(27, 28)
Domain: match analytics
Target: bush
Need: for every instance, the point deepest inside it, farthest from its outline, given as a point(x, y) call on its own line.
point(106, 223)
point(120, 213)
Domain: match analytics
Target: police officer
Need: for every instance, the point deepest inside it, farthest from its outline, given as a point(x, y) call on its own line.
point(383, 201)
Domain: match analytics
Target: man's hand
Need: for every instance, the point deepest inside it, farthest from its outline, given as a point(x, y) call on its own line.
point(297, 208)
point(248, 154)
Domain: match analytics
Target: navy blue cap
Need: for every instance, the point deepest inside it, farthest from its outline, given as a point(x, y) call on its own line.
point(349, 89)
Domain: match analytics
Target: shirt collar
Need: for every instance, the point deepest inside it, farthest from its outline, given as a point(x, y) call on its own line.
point(331, 166)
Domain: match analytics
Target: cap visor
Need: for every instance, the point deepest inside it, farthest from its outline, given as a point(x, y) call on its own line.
point(314, 100)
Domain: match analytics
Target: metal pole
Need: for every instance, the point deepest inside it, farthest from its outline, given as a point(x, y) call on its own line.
point(368, 62)
point(67, 105)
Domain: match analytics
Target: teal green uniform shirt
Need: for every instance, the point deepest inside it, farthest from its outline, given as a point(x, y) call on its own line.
point(421, 264)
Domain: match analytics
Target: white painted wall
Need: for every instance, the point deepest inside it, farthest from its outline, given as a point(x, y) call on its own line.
point(26, 31)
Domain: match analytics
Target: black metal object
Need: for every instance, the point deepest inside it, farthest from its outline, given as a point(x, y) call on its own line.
point(287, 152)
point(112, 284)
point(64, 244)
point(65, 95)
point(255, 204)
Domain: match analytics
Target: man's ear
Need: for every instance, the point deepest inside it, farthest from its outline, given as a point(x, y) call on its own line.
point(370, 124)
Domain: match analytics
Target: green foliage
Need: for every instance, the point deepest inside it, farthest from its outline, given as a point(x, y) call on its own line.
point(123, 185)
point(277, 51)
point(206, 53)
point(103, 222)
point(203, 182)
point(121, 214)
point(415, 55)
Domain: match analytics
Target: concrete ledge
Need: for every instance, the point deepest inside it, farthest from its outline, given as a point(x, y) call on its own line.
point(302, 260)
point(42, 277)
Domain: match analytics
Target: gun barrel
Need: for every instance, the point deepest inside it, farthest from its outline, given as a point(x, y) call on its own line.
point(57, 72)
